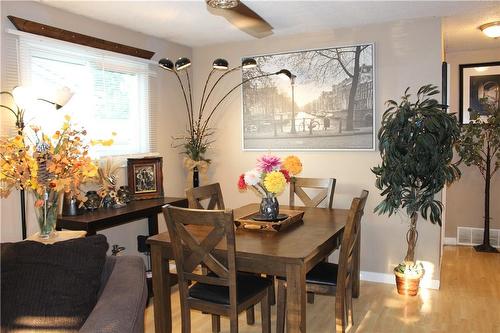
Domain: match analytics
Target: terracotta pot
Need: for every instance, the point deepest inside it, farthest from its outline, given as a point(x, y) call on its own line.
point(407, 285)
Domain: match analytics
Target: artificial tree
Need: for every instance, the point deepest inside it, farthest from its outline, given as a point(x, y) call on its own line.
point(416, 145)
point(479, 145)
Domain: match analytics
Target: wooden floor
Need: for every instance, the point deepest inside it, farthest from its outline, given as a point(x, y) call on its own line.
point(468, 301)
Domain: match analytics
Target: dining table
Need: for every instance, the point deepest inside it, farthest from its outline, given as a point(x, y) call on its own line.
point(289, 253)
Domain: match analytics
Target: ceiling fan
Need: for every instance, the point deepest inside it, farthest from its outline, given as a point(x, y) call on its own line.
point(242, 17)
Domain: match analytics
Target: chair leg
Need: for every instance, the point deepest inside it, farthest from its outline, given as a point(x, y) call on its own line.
point(185, 319)
point(251, 315)
point(215, 323)
point(233, 324)
point(266, 311)
point(281, 307)
point(310, 298)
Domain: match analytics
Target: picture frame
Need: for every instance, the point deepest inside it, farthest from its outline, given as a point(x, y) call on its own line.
point(145, 177)
point(478, 83)
point(311, 110)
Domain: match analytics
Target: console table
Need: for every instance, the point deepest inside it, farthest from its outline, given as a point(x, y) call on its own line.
point(104, 218)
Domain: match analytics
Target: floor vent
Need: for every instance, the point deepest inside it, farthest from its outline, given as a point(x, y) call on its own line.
point(474, 236)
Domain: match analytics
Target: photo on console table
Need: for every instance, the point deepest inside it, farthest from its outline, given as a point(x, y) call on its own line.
point(145, 178)
point(322, 99)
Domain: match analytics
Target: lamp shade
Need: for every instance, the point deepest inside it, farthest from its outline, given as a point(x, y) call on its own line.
point(248, 63)
point(61, 97)
point(221, 64)
point(166, 64)
point(182, 63)
point(285, 72)
point(23, 96)
point(491, 29)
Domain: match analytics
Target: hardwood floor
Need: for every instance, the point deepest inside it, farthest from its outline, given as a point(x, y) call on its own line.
point(468, 301)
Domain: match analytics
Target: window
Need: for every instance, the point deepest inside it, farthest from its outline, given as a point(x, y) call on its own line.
point(112, 93)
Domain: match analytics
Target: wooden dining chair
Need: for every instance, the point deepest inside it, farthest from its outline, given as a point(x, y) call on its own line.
point(325, 185)
point(194, 234)
point(210, 192)
point(213, 193)
point(333, 279)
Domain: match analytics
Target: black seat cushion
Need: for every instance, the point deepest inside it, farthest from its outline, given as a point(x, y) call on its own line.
point(248, 285)
point(324, 273)
point(50, 287)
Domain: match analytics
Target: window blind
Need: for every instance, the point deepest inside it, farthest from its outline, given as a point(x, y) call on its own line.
point(112, 92)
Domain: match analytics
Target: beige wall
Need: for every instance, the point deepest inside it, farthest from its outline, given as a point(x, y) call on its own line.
point(170, 120)
point(465, 198)
point(407, 53)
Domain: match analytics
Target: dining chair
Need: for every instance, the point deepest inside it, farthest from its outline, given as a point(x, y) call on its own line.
point(325, 185)
point(333, 279)
point(224, 291)
point(327, 190)
point(213, 193)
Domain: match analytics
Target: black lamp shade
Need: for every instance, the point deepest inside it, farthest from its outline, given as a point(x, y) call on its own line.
point(248, 63)
point(285, 72)
point(182, 63)
point(166, 64)
point(220, 64)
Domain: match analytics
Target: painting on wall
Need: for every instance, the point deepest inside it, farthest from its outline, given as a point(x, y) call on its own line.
point(145, 177)
point(479, 89)
point(326, 104)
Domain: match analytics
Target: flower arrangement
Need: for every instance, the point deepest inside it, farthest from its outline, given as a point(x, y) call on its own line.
point(46, 166)
point(271, 175)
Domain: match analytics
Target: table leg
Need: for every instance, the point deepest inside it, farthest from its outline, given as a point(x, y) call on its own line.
point(161, 290)
point(296, 298)
point(153, 224)
point(356, 268)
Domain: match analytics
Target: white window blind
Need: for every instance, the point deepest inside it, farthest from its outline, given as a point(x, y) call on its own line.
point(112, 93)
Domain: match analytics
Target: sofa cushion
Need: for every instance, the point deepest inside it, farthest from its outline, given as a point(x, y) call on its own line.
point(50, 287)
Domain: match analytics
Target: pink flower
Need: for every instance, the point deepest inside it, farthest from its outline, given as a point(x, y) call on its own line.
point(241, 182)
point(268, 163)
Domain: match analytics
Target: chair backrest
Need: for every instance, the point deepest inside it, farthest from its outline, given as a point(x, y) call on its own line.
point(326, 186)
point(346, 257)
point(212, 192)
point(195, 245)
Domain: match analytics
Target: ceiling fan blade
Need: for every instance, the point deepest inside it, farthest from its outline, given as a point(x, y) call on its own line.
point(244, 19)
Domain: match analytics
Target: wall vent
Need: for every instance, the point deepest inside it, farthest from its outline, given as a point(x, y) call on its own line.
point(474, 236)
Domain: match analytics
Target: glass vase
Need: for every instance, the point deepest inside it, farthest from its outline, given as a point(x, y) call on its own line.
point(269, 207)
point(46, 212)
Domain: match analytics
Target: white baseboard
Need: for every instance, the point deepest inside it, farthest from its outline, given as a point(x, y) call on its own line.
point(389, 279)
point(450, 241)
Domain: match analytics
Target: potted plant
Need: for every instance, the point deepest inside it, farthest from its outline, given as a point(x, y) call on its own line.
point(479, 145)
point(416, 145)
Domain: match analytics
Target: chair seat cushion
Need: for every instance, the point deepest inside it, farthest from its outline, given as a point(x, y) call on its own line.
point(248, 285)
point(324, 273)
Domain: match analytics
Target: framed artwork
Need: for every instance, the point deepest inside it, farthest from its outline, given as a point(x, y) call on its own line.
point(479, 89)
point(145, 178)
point(327, 104)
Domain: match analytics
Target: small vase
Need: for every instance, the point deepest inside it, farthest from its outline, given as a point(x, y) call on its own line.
point(269, 208)
point(93, 200)
point(196, 177)
point(46, 212)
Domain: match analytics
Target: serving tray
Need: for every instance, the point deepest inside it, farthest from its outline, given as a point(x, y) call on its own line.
point(247, 222)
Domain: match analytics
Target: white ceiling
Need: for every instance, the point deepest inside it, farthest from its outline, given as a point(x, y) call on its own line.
point(189, 23)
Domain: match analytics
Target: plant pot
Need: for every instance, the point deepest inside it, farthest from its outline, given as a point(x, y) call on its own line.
point(407, 285)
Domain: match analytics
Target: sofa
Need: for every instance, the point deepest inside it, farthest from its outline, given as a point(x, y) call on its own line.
point(71, 286)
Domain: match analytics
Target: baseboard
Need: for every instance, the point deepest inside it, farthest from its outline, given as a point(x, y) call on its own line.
point(450, 241)
point(389, 279)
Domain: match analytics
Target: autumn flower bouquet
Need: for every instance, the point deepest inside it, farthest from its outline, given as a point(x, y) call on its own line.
point(47, 166)
point(268, 179)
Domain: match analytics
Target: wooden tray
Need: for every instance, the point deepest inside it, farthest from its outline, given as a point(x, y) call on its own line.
point(246, 222)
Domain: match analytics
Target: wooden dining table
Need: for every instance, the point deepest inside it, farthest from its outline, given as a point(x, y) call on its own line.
point(290, 253)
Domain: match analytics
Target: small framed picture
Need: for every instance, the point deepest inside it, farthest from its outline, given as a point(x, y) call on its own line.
point(145, 177)
point(479, 89)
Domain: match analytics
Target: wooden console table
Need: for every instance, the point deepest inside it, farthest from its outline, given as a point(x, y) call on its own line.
point(104, 218)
